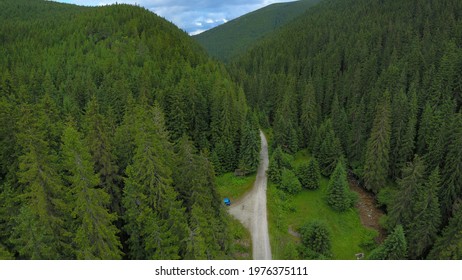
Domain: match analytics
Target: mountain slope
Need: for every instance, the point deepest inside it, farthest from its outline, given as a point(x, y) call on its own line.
point(109, 120)
point(376, 83)
point(238, 35)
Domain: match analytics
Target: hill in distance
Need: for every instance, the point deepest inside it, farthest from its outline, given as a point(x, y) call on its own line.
point(238, 35)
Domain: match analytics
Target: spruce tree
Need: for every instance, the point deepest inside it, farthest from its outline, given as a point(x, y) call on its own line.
point(97, 137)
point(327, 148)
point(308, 116)
point(452, 169)
point(250, 145)
point(96, 236)
point(40, 230)
point(289, 182)
point(426, 219)
point(309, 175)
point(338, 196)
point(378, 147)
point(448, 246)
point(401, 209)
point(393, 248)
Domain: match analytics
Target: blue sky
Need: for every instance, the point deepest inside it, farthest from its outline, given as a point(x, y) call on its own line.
point(190, 15)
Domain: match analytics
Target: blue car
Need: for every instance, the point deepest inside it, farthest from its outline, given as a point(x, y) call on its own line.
point(227, 201)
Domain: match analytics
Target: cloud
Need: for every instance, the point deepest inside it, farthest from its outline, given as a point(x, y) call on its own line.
point(192, 16)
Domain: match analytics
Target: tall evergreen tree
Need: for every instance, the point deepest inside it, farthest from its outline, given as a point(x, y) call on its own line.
point(40, 231)
point(98, 140)
point(308, 116)
point(309, 175)
point(378, 147)
point(316, 240)
point(337, 190)
point(327, 148)
point(426, 219)
point(250, 145)
point(96, 236)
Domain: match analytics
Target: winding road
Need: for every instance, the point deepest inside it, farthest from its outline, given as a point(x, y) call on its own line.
point(251, 209)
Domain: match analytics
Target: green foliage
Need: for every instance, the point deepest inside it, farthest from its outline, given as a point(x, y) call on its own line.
point(309, 175)
point(279, 160)
point(448, 246)
point(327, 148)
point(338, 192)
point(393, 248)
point(289, 182)
point(316, 240)
point(250, 145)
point(235, 37)
point(96, 236)
point(378, 148)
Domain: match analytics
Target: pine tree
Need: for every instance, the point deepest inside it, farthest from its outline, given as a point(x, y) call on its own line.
point(449, 245)
point(327, 148)
point(97, 139)
point(40, 231)
point(426, 219)
point(96, 236)
point(452, 169)
point(393, 248)
point(337, 190)
point(279, 161)
point(250, 145)
point(401, 209)
point(309, 175)
point(378, 146)
point(149, 190)
point(308, 116)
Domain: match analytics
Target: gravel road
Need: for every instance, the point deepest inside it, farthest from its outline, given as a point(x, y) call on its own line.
point(251, 209)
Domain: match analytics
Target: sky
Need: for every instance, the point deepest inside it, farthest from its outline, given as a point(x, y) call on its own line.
point(193, 16)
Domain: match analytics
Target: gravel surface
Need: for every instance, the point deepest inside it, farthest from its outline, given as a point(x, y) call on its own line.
point(251, 209)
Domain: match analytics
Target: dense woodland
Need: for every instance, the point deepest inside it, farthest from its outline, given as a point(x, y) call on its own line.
point(113, 124)
point(373, 86)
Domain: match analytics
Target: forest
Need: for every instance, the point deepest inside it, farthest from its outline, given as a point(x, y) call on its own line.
point(371, 89)
point(115, 127)
point(113, 124)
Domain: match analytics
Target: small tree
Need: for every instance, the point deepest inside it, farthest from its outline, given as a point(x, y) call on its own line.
point(289, 182)
point(316, 240)
point(338, 194)
point(309, 175)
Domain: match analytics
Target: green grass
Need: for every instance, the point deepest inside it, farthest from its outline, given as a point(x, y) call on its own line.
point(242, 241)
point(347, 232)
point(234, 187)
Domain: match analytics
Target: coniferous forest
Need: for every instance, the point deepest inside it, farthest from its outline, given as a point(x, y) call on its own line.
point(111, 120)
point(374, 86)
point(114, 124)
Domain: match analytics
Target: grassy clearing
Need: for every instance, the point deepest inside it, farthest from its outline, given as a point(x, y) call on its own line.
point(347, 232)
point(234, 187)
point(242, 241)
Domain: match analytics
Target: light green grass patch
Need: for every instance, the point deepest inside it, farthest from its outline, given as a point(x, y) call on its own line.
point(234, 187)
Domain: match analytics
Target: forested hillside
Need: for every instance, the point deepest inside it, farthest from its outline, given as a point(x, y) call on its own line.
point(375, 84)
point(237, 36)
point(113, 123)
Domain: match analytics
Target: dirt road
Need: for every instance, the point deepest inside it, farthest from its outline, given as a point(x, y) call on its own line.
point(251, 209)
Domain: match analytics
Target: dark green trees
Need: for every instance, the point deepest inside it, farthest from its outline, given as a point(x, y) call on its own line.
point(250, 145)
point(309, 175)
point(339, 196)
point(393, 248)
point(95, 235)
point(40, 230)
point(327, 148)
point(449, 245)
point(378, 148)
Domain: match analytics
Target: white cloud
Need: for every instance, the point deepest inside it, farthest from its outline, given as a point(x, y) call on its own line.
point(186, 14)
